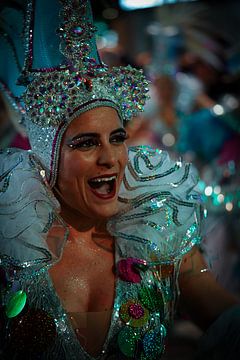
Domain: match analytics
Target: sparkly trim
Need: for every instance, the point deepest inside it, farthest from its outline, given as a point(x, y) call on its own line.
point(56, 153)
point(128, 186)
point(51, 69)
point(146, 158)
point(91, 104)
point(28, 33)
point(6, 260)
point(185, 176)
point(28, 36)
point(152, 177)
point(141, 199)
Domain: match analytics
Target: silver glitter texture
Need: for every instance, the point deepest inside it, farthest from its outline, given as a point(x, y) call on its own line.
point(53, 96)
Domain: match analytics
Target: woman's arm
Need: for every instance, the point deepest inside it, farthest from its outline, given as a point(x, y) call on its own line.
point(200, 294)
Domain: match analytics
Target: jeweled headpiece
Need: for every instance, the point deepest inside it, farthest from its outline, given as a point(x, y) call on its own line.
point(65, 77)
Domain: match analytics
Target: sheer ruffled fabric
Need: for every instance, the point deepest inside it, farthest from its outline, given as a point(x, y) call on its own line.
point(31, 231)
point(162, 206)
point(159, 209)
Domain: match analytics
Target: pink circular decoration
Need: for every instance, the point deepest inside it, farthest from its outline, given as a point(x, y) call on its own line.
point(127, 270)
point(136, 311)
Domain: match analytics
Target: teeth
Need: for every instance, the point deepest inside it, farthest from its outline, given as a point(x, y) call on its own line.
point(104, 179)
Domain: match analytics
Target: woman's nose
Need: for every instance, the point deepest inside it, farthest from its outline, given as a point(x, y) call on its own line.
point(107, 156)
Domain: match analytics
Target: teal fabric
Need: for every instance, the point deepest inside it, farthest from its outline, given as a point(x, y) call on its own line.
point(46, 53)
point(11, 48)
point(45, 39)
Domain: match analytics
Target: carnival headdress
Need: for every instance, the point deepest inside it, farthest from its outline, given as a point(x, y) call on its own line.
point(63, 76)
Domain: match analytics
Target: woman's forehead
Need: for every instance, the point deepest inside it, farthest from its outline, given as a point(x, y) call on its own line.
point(95, 120)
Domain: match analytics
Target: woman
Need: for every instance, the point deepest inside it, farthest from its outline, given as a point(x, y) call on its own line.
point(100, 280)
point(87, 201)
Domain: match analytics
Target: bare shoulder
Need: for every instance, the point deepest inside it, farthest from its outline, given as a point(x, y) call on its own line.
point(193, 264)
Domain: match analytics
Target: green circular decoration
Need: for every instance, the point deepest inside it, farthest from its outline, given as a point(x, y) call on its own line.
point(151, 298)
point(127, 341)
point(16, 304)
point(153, 343)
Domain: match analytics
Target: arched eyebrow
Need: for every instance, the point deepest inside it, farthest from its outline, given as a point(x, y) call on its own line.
point(88, 134)
point(93, 134)
point(118, 130)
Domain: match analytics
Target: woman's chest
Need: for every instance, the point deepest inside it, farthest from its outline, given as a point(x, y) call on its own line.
point(84, 281)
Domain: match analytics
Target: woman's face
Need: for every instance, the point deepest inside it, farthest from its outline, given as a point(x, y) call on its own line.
point(92, 163)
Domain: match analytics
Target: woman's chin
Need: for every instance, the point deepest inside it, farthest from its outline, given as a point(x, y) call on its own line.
point(102, 206)
point(104, 211)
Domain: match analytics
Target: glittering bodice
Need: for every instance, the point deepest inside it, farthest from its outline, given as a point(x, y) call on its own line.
point(142, 310)
point(157, 225)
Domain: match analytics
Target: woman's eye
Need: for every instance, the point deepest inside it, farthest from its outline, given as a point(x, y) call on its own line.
point(119, 138)
point(84, 144)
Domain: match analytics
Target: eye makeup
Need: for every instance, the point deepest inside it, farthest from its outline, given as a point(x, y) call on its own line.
point(118, 137)
point(87, 141)
point(84, 142)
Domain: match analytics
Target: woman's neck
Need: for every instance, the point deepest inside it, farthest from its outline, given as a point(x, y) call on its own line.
point(91, 232)
point(78, 220)
point(92, 239)
point(81, 222)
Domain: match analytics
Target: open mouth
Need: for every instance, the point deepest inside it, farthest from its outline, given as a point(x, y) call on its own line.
point(104, 186)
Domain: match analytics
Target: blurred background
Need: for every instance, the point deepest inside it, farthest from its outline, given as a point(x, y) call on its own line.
point(190, 52)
